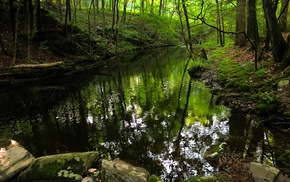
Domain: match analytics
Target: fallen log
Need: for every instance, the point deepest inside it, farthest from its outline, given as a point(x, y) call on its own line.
point(41, 65)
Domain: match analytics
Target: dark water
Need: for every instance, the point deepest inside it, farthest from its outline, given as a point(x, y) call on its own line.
point(147, 111)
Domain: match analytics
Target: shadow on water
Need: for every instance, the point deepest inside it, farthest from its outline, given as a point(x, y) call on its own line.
point(148, 112)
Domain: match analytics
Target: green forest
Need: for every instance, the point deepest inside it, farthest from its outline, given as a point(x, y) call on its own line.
point(240, 50)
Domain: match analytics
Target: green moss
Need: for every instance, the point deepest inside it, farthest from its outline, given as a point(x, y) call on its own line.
point(154, 178)
point(266, 101)
point(50, 169)
point(286, 114)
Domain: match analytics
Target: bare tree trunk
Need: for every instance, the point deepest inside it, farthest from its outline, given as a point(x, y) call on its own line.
point(160, 7)
point(278, 43)
point(28, 29)
point(152, 7)
point(124, 11)
point(16, 33)
point(60, 10)
point(103, 16)
point(240, 39)
point(3, 47)
point(219, 26)
point(142, 7)
point(188, 28)
point(252, 26)
point(284, 13)
point(67, 17)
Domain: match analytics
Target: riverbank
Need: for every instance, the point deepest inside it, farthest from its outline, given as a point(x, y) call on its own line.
point(238, 85)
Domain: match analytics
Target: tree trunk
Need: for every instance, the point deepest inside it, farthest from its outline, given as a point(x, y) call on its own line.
point(124, 11)
point(60, 10)
point(188, 28)
point(28, 29)
point(152, 7)
point(252, 26)
point(278, 43)
point(240, 39)
point(67, 17)
point(284, 13)
point(142, 7)
point(12, 10)
point(15, 38)
point(160, 7)
point(36, 19)
point(3, 47)
point(218, 18)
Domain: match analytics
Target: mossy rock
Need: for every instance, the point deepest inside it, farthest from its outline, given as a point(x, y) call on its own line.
point(61, 167)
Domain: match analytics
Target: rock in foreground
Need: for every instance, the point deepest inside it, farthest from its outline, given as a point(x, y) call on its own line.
point(120, 171)
point(61, 167)
point(13, 161)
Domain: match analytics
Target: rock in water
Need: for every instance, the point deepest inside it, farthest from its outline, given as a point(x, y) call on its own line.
point(60, 167)
point(120, 171)
point(13, 161)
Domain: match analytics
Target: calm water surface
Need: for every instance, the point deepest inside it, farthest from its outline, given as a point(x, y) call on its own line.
point(147, 111)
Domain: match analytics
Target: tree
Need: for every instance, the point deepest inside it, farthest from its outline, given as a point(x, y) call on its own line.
point(240, 39)
point(67, 16)
point(278, 43)
point(252, 25)
point(283, 17)
point(219, 25)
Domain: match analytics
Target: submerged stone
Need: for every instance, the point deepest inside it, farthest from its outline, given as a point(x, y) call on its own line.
point(13, 161)
point(60, 167)
point(120, 171)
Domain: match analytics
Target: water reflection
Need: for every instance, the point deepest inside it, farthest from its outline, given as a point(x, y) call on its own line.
point(148, 112)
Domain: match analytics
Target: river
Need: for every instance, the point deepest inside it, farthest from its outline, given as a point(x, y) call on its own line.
point(147, 111)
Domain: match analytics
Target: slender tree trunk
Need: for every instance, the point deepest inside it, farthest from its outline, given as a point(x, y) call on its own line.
point(152, 7)
point(98, 6)
point(67, 17)
point(160, 7)
point(60, 10)
point(36, 20)
point(284, 13)
point(223, 22)
point(3, 47)
point(278, 43)
point(142, 7)
point(28, 29)
point(89, 24)
point(12, 11)
point(240, 39)
point(114, 14)
point(16, 33)
point(188, 28)
point(124, 11)
point(103, 16)
point(219, 26)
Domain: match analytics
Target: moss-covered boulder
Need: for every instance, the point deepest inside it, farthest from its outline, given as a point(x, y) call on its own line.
point(120, 171)
point(60, 167)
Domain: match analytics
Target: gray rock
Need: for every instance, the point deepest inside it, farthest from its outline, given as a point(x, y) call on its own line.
point(263, 173)
point(120, 171)
point(13, 161)
point(60, 167)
